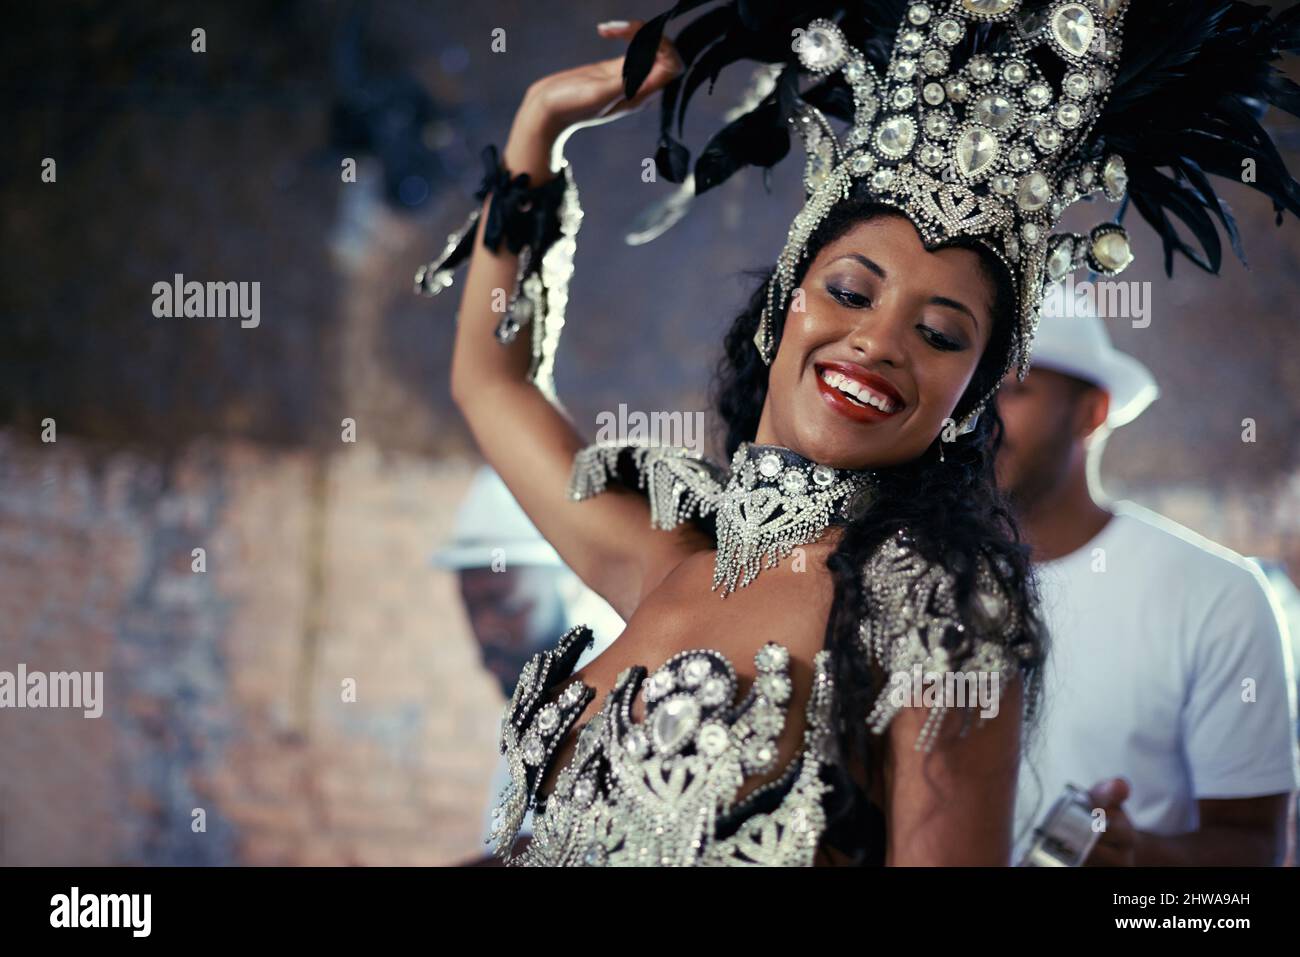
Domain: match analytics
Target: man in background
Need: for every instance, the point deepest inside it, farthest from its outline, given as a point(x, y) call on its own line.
point(1169, 687)
point(519, 597)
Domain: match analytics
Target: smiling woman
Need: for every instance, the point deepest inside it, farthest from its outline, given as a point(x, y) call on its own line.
point(882, 313)
point(924, 332)
point(857, 534)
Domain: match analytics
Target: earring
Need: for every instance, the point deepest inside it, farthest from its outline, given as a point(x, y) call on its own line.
point(941, 444)
point(762, 337)
point(968, 424)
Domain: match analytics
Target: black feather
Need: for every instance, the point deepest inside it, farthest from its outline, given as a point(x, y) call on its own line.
point(1191, 73)
point(759, 138)
point(672, 159)
point(1198, 181)
point(640, 56)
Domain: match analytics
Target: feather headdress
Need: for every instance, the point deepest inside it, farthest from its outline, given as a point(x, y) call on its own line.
point(987, 119)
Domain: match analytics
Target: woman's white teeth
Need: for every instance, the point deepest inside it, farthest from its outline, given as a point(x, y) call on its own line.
point(856, 390)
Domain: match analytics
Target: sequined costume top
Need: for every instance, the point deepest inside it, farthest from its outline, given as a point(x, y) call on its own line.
point(663, 790)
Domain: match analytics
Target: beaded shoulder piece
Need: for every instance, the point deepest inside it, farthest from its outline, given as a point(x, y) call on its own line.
point(679, 483)
point(663, 791)
point(915, 634)
point(770, 501)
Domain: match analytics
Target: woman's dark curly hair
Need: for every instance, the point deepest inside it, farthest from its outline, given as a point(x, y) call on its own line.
point(951, 509)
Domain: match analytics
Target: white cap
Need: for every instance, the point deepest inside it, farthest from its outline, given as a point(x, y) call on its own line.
point(490, 519)
point(1077, 344)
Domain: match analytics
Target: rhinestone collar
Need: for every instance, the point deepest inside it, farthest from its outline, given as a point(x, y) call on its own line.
point(774, 500)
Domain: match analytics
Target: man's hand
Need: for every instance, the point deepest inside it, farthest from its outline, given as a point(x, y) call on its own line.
point(1117, 846)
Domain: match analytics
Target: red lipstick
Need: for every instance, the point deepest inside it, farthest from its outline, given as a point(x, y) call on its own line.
point(874, 399)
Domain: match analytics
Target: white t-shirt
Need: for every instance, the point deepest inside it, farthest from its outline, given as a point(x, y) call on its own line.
point(1169, 666)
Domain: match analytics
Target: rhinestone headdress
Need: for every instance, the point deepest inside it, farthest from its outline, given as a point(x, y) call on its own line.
point(985, 120)
point(987, 149)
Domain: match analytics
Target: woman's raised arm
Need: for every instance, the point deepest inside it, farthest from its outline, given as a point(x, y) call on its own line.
point(606, 540)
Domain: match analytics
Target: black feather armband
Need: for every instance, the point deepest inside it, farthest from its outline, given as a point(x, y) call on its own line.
point(537, 223)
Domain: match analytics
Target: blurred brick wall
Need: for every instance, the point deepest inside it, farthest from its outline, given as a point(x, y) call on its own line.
point(223, 689)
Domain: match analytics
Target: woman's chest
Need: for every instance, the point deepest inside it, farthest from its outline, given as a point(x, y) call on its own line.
point(681, 633)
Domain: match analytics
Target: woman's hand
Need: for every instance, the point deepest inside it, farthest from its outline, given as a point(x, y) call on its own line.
point(595, 90)
point(583, 95)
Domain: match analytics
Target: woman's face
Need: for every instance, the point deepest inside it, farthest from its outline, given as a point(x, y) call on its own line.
point(879, 345)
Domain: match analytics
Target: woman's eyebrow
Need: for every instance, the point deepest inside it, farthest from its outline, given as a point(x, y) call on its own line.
point(954, 304)
point(937, 300)
point(870, 264)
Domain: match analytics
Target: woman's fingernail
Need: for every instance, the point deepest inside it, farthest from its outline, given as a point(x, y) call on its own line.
point(612, 25)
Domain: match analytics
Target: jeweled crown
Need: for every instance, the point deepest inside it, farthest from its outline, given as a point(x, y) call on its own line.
point(993, 148)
